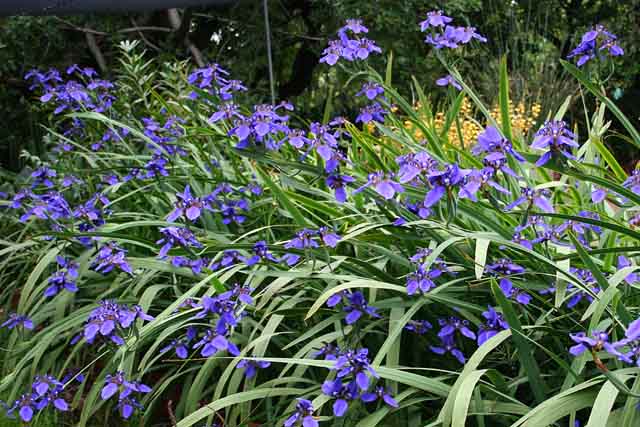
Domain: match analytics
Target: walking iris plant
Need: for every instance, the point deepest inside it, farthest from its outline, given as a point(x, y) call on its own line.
point(252, 267)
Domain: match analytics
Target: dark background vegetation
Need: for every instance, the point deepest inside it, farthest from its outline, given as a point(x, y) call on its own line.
point(533, 34)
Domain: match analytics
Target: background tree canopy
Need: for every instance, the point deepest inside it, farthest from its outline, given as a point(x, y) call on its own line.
point(533, 34)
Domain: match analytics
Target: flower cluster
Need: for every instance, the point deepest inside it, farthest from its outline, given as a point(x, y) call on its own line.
point(350, 49)
point(126, 390)
point(442, 35)
point(354, 304)
point(225, 310)
point(64, 278)
point(353, 381)
point(110, 320)
point(422, 280)
point(596, 43)
point(45, 390)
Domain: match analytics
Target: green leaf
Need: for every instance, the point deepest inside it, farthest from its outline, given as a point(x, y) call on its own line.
point(525, 352)
point(504, 99)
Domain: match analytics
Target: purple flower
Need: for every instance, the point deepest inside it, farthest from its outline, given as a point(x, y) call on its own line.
point(435, 18)
point(187, 205)
point(356, 363)
point(261, 253)
point(584, 342)
point(337, 183)
point(211, 343)
point(448, 80)
point(631, 278)
point(332, 53)
point(181, 345)
point(415, 165)
point(419, 327)
point(442, 181)
point(26, 406)
point(227, 111)
point(447, 345)
point(357, 306)
point(422, 280)
point(494, 323)
point(538, 198)
point(633, 182)
point(127, 403)
point(176, 236)
point(497, 147)
point(304, 413)
point(631, 341)
point(304, 239)
point(483, 180)
point(353, 25)
point(343, 393)
point(251, 367)
point(596, 43)
point(372, 113)
point(329, 351)
point(42, 175)
point(329, 238)
point(448, 36)
point(448, 328)
point(111, 256)
point(371, 90)
point(347, 48)
point(380, 393)
point(555, 137)
point(64, 278)
point(15, 320)
point(110, 319)
point(383, 184)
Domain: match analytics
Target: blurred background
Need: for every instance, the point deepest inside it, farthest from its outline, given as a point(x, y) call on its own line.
point(533, 34)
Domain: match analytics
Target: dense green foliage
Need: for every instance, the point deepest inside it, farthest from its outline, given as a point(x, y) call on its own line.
point(124, 164)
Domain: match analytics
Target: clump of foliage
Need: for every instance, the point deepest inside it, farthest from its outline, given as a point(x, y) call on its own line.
point(183, 258)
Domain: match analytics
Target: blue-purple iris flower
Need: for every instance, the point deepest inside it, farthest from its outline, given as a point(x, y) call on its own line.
point(371, 113)
point(449, 327)
point(442, 181)
point(494, 323)
point(179, 236)
point(371, 90)
point(380, 393)
point(442, 35)
point(448, 345)
point(343, 393)
point(181, 345)
point(555, 137)
point(631, 278)
point(15, 320)
point(303, 414)
point(419, 327)
point(584, 342)
point(43, 176)
point(111, 256)
point(109, 319)
point(357, 306)
point(187, 205)
point(413, 167)
point(448, 80)
point(251, 367)
point(538, 198)
point(358, 48)
point(504, 268)
point(338, 183)
point(64, 278)
point(127, 403)
point(631, 342)
point(385, 185)
point(596, 43)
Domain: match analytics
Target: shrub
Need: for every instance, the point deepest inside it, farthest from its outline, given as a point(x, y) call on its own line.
point(181, 258)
